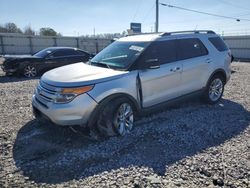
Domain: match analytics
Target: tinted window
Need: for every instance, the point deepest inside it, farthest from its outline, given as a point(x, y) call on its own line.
point(64, 52)
point(189, 48)
point(218, 43)
point(164, 51)
point(43, 53)
point(82, 53)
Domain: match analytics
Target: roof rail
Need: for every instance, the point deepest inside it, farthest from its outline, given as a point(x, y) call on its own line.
point(151, 33)
point(192, 31)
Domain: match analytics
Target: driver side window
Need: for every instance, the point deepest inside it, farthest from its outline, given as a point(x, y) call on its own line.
point(163, 51)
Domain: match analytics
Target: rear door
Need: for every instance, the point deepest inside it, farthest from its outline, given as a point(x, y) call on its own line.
point(75, 56)
point(162, 83)
point(196, 61)
point(57, 58)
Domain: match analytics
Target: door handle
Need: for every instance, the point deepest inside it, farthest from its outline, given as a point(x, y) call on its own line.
point(208, 60)
point(175, 69)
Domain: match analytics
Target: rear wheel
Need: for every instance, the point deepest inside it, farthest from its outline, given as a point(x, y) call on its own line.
point(29, 71)
point(214, 90)
point(117, 118)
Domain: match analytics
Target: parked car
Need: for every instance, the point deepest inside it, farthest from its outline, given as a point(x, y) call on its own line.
point(131, 75)
point(49, 58)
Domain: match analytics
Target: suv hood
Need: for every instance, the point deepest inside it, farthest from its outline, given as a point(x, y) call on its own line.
point(80, 74)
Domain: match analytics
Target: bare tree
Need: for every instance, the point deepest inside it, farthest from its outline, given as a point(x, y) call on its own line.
point(2, 29)
point(28, 31)
point(106, 35)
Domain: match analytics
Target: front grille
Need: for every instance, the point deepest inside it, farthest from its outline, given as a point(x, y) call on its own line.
point(45, 93)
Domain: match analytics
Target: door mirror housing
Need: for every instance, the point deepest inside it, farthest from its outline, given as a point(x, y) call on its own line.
point(152, 64)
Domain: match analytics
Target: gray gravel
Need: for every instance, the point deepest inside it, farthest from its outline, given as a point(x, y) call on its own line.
point(189, 145)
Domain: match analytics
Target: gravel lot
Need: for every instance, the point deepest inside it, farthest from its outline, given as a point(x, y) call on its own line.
point(189, 145)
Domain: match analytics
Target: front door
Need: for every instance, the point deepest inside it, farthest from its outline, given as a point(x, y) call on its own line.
point(161, 83)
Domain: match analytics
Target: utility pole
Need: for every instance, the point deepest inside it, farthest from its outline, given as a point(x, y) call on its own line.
point(157, 17)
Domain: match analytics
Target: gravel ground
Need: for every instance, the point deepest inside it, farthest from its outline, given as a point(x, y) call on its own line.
point(189, 145)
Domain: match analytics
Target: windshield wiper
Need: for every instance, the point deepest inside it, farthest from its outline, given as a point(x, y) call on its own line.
point(100, 64)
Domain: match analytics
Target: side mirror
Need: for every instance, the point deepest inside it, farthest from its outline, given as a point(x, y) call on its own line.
point(152, 64)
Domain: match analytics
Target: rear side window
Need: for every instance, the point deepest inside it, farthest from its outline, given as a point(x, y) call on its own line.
point(82, 53)
point(218, 43)
point(64, 52)
point(189, 48)
point(164, 51)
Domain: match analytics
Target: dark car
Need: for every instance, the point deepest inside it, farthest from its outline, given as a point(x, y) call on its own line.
point(49, 58)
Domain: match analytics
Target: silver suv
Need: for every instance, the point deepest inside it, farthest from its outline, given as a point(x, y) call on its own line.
point(131, 75)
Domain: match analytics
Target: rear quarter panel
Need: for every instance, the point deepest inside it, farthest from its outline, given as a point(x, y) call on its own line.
point(219, 60)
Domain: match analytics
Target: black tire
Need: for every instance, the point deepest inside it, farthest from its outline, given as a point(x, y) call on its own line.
point(215, 87)
point(106, 124)
point(30, 71)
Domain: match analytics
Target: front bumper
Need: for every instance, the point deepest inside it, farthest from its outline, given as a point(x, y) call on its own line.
point(76, 112)
point(12, 70)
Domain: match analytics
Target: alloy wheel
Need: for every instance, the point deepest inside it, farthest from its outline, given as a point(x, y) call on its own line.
point(124, 119)
point(215, 89)
point(30, 71)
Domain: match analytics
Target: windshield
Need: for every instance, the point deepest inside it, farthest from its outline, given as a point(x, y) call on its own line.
point(119, 55)
point(43, 53)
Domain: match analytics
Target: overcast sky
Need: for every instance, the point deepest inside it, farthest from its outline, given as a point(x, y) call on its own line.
point(73, 17)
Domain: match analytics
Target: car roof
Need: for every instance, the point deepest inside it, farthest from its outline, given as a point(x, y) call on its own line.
point(61, 48)
point(163, 35)
point(64, 48)
point(140, 38)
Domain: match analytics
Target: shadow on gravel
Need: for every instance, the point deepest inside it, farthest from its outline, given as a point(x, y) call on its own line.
point(51, 154)
point(9, 79)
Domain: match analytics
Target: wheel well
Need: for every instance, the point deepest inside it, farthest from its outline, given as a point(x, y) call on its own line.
point(221, 73)
point(106, 100)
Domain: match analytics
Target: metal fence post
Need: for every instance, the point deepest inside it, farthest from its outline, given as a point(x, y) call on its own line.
point(77, 42)
point(31, 45)
point(55, 41)
point(96, 46)
point(2, 44)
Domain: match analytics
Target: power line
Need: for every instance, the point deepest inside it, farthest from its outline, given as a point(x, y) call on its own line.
point(200, 12)
point(137, 10)
point(148, 12)
point(233, 5)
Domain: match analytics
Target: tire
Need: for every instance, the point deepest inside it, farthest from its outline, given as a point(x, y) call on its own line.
point(30, 71)
point(214, 89)
point(113, 120)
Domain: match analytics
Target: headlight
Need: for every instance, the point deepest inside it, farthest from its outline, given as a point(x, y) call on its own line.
point(68, 94)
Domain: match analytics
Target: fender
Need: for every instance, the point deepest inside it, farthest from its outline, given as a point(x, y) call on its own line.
point(218, 71)
point(105, 101)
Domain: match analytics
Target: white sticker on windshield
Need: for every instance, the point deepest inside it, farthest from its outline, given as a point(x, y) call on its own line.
point(136, 48)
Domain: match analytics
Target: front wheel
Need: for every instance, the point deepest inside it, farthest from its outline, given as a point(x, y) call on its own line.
point(214, 90)
point(29, 71)
point(117, 118)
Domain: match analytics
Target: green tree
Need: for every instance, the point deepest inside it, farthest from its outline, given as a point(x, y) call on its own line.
point(12, 28)
point(47, 31)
